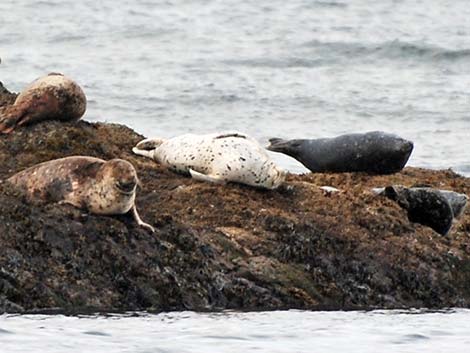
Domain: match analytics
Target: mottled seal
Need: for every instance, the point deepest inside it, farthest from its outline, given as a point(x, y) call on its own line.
point(101, 187)
point(373, 152)
point(218, 158)
point(52, 97)
point(431, 207)
point(457, 201)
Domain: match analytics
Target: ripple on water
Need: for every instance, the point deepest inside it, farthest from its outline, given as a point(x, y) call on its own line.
point(411, 338)
point(96, 333)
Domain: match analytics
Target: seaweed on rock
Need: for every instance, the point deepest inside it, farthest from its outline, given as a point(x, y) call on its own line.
point(217, 246)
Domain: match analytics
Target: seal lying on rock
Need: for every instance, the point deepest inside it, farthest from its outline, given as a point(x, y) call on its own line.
point(431, 207)
point(53, 97)
point(217, 158)
point(101, 187)
point(457, 201)
point(374, 152)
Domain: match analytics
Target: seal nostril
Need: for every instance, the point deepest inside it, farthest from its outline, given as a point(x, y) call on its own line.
point(126, 186)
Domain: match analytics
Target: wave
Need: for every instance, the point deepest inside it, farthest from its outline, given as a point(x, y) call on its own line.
point(277, 63)
point(330, 4)
point(327, 53)
point(395, 49)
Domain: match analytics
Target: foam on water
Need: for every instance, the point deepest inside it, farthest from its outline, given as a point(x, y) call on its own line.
point(297, 69)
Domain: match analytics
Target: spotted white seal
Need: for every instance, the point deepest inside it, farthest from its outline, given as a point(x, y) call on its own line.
point(52, 97)
point(218, 158)
point(101, 187)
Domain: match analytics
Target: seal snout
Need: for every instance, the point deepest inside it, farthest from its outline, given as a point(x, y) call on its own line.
point(124, 175)
point(127, 187)
point(277, 176)
point(406, 147)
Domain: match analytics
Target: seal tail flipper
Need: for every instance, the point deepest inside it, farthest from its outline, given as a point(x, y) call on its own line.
point(279, 145)
point(275, 140)
point(378, 191)
point(149, 144)
point(25, 111)
point(207, 178)
point(10, 118)
point(148, 154)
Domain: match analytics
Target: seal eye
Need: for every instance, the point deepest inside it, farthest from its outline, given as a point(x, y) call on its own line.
point(126, 187)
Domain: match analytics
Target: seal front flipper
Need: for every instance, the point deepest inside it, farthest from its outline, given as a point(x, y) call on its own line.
point(139, 220)
point(207, 178)
point(80, 205)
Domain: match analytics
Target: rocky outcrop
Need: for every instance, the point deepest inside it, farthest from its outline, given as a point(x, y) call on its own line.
point(219, 247)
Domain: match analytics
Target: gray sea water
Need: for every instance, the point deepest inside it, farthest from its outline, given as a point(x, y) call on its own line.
point(273, 332)
point(298, 68)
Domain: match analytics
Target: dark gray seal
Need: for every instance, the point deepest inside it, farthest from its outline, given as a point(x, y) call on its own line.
point(374, 152)
point(457, 201)
point(98, 186)
point(427, 206)
point(52, 97)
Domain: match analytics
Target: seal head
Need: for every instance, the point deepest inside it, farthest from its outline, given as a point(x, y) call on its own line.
point(114, 188)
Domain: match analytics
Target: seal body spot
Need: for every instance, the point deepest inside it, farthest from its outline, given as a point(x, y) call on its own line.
point(52, 97)
point(373, 152)
point(101, 187)
point(220, 157)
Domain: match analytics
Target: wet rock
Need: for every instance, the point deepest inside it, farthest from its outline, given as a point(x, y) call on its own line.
point(219, 247)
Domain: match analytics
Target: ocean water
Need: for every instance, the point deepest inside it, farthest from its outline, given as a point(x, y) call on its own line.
point(296, 69)
point(273, 332)
point(291, 69)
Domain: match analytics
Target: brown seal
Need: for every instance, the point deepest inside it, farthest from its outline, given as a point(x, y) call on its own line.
point(101, 187)
point(52, 97)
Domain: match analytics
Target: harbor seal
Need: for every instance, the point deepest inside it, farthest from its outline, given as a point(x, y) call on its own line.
point(98, 186)
point(373, 152)
point(218, 158)
point(52, 97)
point(457, 201)
point(430, 207)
